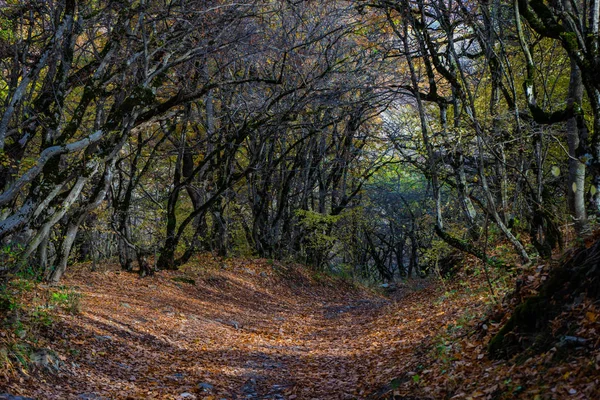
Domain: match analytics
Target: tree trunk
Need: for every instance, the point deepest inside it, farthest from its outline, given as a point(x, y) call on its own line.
point(65, 250)
point(399, 250)
point(74, 224)
point(42, 257)
point(44, 231)
point(491, 206)
point(576, 137)
point(166, 260)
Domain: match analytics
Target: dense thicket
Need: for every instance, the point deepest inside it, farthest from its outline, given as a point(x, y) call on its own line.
point(367, 137)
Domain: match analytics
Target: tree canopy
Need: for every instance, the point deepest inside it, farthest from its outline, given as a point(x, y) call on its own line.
point(350, 135)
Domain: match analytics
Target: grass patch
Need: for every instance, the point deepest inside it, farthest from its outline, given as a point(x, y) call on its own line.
point(66, 298)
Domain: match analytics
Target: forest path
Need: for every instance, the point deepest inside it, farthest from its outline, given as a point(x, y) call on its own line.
point(249, 330)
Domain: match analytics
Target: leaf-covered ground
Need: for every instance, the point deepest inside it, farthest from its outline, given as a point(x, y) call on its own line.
point(258, 330)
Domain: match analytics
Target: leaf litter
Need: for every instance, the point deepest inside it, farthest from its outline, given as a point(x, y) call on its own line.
point(255, 329)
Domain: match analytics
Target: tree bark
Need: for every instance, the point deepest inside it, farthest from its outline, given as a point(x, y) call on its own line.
point(576, 139)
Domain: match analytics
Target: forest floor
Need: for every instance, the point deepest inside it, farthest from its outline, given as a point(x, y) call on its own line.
point(242, 329)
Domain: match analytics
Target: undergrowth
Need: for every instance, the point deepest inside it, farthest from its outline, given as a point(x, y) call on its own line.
point(27, 310)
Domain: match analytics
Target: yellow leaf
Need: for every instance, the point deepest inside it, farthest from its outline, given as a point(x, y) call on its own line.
point(592, 317)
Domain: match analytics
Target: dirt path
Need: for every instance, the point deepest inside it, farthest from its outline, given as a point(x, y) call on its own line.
point(240, 332)
point(259, 330)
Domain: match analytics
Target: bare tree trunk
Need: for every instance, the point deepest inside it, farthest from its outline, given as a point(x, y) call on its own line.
point(42, 257)
point(75, 222)
point(461, 187)
point(491, 206)
point(399, 251)
point(65, 251)
point(125, 253)
point(44, 231)
point(576, 138)
point(413, 264)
